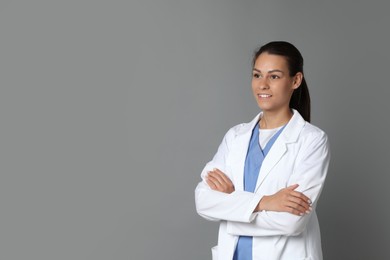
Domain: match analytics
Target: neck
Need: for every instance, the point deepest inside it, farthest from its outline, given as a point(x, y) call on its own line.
point(272, 119)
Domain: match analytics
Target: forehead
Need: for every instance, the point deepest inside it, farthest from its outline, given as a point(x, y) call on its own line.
point(266, 62)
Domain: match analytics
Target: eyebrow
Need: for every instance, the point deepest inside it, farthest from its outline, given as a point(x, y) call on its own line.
point(271, 71)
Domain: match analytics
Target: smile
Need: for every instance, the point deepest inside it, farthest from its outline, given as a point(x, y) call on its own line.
point(264, 95)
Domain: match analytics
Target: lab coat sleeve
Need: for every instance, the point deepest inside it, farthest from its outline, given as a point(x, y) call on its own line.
point(214, 205)
point(310, 172)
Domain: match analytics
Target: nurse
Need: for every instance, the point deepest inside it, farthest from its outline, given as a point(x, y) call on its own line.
point(264, 182)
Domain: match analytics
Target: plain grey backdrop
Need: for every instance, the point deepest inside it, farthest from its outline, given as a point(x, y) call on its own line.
point(110, 109)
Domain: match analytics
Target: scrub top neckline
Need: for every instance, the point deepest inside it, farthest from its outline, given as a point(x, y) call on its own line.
point(271, 129)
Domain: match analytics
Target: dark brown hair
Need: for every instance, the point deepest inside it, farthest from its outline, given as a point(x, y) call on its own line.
point(300, 99)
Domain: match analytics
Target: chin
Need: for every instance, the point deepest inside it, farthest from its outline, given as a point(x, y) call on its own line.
point(264, 108)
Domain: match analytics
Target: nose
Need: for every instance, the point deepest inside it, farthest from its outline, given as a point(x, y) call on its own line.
point(262, 84)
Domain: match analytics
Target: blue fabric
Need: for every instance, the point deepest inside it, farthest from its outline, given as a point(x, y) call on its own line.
point(254, 159)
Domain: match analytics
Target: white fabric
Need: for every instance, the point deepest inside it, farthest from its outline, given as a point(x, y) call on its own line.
point(266, 135)
point(300, 155)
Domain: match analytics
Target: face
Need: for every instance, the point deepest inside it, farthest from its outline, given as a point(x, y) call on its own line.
point(272, 85)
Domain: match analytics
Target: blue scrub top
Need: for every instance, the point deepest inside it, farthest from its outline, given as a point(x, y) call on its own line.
point(254, 159)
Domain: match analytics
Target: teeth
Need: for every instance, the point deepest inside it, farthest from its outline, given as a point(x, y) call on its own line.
point(264, 95)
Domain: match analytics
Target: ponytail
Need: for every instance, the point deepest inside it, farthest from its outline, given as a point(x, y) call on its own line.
point(300, 100)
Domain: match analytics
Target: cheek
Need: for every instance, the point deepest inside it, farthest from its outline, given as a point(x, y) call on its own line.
point(288, 95)
point(284, 92)
point(287, 88)
point(253, 87)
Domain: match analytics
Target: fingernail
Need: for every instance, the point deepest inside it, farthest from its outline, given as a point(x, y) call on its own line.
point(307, 211)
point(300, 214)
point(310, 208)
point(309, 201)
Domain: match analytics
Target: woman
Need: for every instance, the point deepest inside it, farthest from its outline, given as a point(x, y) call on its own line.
point(264, 182)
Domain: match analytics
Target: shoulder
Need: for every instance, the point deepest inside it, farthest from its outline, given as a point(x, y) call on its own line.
point(310, 129)
point(302, 131)
point(312, 134)
point(233, 132)
point(242, 128)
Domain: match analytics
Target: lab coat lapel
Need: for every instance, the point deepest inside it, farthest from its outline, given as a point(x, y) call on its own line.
point(289, 135)
point(273, 157)
point(239, 152)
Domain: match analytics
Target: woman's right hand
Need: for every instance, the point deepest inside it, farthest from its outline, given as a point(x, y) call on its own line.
point(286, 200)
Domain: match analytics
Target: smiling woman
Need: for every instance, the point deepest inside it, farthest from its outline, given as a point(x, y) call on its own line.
point(264, 182)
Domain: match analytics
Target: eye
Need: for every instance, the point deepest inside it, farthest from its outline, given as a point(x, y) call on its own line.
point(274, 77)
point(256, 75)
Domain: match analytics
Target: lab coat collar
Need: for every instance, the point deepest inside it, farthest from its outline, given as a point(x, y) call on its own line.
point(290, 134)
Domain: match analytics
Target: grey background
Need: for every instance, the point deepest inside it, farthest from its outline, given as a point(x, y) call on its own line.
point(110, 109)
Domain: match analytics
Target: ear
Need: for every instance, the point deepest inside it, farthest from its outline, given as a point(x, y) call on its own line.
point(297, 80)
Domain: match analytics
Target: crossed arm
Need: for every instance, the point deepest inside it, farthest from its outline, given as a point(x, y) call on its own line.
point(285, 200)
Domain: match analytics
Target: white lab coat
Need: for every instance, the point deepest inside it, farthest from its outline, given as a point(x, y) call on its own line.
point(300, 155)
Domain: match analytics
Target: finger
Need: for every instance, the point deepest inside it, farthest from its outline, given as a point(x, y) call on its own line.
point(214, 186)
point(223, 176)
point(218, 177)
point(293, 187)
point(300, 202)
point(293, 211)
point(215, 181)
point(300, 195)
point(298, 207)
point(211, 184)
point(220, 186)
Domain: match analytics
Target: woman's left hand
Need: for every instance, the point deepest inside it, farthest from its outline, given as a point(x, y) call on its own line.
point(219, 181)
